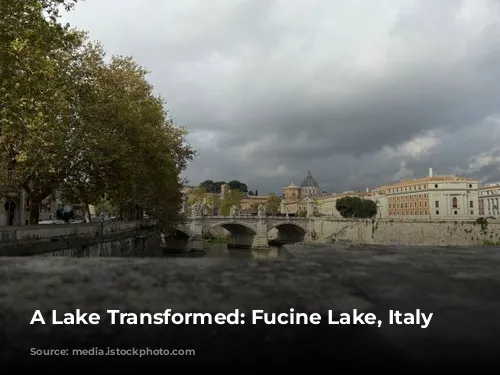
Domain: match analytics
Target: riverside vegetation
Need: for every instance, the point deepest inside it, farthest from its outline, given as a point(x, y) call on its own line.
point(76, 122)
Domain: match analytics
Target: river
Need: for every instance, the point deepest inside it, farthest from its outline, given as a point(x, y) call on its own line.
point(220, 250)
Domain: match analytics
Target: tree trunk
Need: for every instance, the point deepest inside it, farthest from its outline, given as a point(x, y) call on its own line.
point(34, 213)
point(88, 218)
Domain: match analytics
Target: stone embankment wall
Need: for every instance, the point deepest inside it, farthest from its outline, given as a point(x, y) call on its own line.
point(79, 240)
point(407, 232)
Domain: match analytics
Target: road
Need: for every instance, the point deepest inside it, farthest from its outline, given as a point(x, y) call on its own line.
point(460, 286)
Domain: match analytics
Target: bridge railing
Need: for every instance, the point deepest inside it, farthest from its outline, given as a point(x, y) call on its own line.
point(247, 217)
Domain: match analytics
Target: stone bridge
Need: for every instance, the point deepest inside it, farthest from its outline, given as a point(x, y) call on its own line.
point(246, 231)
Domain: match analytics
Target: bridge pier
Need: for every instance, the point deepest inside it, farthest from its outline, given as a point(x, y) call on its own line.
point(195, 242)
point(260, 242)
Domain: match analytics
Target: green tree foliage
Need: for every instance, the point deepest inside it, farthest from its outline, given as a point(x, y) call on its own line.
point(211, 186)
point(273, 204)
point(35, 84)
point(213, 203)
point(197, 195)
point(355, 207)
point(237, 185)
point(233, 198)
point(75, 122)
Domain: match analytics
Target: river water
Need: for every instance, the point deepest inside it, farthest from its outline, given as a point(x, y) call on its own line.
point(220, 250)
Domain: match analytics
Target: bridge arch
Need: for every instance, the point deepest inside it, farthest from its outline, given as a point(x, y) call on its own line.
point(296, 224)
point(289, 232)
point(242, 235)
point(234, 225)
point(183, 231)
point(178, 238)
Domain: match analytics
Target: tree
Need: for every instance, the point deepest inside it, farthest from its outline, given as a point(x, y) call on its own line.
point(256, 192)
point(237, 185)
point(355, 207)
point(197, 195)
point(212, 203)
point(233, 198)
point(35, 54)
point(76, 123)
point(211, 186)
point(208, 186)
point(273, 204)
point(250, 193)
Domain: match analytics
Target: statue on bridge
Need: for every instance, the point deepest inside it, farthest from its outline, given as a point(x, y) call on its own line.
point(184, 208)
point(261, 210)
point(234, 211)
point(197, 209)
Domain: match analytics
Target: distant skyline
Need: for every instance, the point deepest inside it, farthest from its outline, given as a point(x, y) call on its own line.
point(360, 92)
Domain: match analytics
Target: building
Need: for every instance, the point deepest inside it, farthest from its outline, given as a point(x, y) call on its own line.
point(489, 199)
point(15, 209)
point(327, 205)
point(250, 203)
point(431, 197)
point(296, 199)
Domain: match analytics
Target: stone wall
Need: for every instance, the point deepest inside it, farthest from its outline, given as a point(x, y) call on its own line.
point(408, 232)
point(144, 245)
point(73, 239)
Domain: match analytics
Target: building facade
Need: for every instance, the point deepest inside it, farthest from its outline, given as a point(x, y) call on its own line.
point(489, 199)
point(296, 199)
point(432, 197)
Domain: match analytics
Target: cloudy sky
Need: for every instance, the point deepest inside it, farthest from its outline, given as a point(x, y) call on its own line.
point(360, 92)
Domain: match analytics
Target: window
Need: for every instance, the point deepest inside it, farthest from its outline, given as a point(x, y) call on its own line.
point(455, 212)
point(454, 202)
point(425, 204)
point(472, 212)
point(436, 204)
point(471, 204)
point(437, 212)
point(420, 212)
point(425, 212)
point(435, 186)
point(470, 186)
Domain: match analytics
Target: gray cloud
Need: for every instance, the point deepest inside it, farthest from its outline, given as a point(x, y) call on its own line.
point(359, 92)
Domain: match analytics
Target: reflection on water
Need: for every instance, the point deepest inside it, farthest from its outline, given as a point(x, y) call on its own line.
point(220, 250)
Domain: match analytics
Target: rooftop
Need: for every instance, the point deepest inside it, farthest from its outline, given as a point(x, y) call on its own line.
point(427, 179)
point(309, 181)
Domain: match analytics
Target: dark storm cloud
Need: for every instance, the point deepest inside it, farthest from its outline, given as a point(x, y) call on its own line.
point(359, 92)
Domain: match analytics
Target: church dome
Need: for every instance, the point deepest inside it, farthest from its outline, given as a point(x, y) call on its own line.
point(309, 181)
